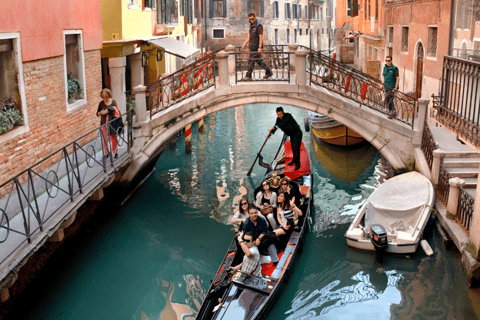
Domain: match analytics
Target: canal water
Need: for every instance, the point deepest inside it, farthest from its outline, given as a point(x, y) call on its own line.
point(154, 257)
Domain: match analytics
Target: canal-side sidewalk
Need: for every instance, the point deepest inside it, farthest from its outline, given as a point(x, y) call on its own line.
point(450, 229)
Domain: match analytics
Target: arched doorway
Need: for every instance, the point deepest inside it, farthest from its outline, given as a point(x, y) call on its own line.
point(419, 77)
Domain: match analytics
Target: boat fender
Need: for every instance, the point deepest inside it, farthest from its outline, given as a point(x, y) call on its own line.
point(426, 247)
point(305, 123)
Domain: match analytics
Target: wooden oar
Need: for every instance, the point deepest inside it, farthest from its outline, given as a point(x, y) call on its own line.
point(263, 145)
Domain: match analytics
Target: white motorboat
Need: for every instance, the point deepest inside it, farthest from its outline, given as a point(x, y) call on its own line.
point(394, 216)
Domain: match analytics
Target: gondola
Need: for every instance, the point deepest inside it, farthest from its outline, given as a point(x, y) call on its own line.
point(243, 296)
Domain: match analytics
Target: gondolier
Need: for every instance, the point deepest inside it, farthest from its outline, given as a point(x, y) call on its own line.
point(290, 127)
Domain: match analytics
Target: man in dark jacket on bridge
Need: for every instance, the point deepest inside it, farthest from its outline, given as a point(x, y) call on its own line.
point(290, 127)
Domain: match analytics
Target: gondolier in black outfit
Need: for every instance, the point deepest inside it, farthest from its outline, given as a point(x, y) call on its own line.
point(255, 43)
point(290, 127)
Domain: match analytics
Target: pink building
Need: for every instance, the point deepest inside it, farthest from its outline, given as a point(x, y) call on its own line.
point(41, 42)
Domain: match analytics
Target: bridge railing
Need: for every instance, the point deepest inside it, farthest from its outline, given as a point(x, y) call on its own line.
point(360, 87)
point(31, 198)
point(172, 88)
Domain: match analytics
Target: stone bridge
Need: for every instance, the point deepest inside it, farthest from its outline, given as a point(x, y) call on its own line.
point(395, 139)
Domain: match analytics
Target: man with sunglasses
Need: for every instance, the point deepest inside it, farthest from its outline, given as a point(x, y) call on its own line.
point(251, 260)
point(255, 43)
point(391, 82)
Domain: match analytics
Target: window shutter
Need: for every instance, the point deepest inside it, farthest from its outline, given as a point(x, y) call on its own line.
point(299, 12)
point(286, 13)
point(210, 8)
point(182, 8)
point(262, 8)
point(224, 8)
point(249, 6)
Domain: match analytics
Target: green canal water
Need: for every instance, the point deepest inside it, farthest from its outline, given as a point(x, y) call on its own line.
point(153, 258)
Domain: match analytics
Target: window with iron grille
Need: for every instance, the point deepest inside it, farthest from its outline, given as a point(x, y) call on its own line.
point(432, 42)
point(218, 33)
point(218, 9)
point(390, 36)
point(405, 39)
point(275, 10)
point(288, 36)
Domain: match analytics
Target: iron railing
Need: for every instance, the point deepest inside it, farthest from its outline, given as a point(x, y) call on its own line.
point(428, 144)
point(458, 106)
point(31, 198)
point(467, 54)
point(359, 87)
point(443, 186)
point(274, 57)
point(182, 84)
point(465, 209)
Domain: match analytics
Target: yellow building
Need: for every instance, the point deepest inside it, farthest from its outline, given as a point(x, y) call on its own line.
point(141, 42)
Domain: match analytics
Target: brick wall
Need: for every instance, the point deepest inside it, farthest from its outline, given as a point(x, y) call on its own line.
point(51, 126)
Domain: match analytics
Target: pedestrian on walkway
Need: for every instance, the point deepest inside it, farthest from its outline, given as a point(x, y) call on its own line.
point(255, 43)
point(106, 111)
point(391, 82)
point(290, 127)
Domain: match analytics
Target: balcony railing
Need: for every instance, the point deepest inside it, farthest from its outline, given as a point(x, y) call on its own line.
point(458, 106)
point(473, 55)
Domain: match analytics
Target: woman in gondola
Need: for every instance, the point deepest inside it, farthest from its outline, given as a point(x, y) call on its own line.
point(291, 188)
point(286, 211)
point(266, 201)
point(242, 214)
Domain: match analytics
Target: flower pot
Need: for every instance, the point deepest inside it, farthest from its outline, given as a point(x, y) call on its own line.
point(71, 100)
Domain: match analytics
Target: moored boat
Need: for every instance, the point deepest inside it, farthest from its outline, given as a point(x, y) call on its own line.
point(395, 215)
point(331, 131)
point(245, 296)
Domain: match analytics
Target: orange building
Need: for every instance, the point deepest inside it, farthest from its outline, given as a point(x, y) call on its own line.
point(360, 34)
point(41, 43)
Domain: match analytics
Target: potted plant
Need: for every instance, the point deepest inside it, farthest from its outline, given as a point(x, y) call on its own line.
point(74, 88)
point(9, 115)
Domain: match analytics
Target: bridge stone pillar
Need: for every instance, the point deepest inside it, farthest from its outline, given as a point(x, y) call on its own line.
point(438, 155)
point(223, 77)
point(452, 203)
point(301, 67)
point(117, 75)
point(422, 114)
point(230, 49)
point(292, 48)
point(140, 103)
point(137, 74)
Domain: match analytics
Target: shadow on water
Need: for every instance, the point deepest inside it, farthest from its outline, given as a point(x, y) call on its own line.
point(154, 257)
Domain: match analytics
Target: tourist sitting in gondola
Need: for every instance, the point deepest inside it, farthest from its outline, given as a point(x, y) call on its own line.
point(286, 211)
point(291, 188)
point(260, 228)
point(242, 214)
point(266, 202)
point(251, 260)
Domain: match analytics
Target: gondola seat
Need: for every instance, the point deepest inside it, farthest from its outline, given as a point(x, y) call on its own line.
point(278, 270)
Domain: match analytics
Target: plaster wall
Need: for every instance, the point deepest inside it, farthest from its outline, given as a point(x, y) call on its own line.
point(41, 24)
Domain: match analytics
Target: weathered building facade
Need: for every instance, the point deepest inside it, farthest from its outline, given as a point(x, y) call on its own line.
point(417, 38)
point(284, 22)
point(37, 56)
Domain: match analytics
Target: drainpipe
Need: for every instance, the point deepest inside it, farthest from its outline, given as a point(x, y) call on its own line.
point(450, 33)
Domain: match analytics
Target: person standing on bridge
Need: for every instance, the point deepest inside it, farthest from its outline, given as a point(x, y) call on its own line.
point(255, 43)
point(290, 127)
point(391, 82)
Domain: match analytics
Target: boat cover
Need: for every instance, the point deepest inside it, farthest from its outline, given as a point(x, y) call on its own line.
point(304, 161)
point(398, 205)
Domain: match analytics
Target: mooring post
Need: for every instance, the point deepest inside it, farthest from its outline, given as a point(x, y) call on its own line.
point(188, 138)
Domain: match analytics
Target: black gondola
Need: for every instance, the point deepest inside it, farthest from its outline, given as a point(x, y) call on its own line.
point(244, 296)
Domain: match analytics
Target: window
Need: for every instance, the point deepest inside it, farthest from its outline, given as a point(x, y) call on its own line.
point(405, 39)
point(352, 8)
point(182, 8)
point(367, 9)
point(74, 67)
point(149, 4)
point(306, 12)
point(275, 10)
point(390, 36)
point(376, 10)
point(275, 40)
point(306, 31)
point(218, 34)
point(218, 9)
point(287, 11)
point(168, 12)
point(432, 42)
point(294, 35)
point(190, 11)
point(299, 7)
point(300, 31)
point(11, 71)
point(321, 14)
point(256, 6)
point(288, 36)
point(294, 9)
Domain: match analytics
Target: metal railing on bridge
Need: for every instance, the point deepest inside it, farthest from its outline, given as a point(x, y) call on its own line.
point(323, 71)
point(31, 198)
point(458, 106)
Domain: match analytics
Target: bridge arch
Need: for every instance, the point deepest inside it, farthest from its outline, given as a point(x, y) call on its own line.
point(394, 140)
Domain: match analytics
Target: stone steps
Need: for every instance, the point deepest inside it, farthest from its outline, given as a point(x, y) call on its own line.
point(461, 162)
point(463, 172)
point(470, 183)
point(462, 154)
